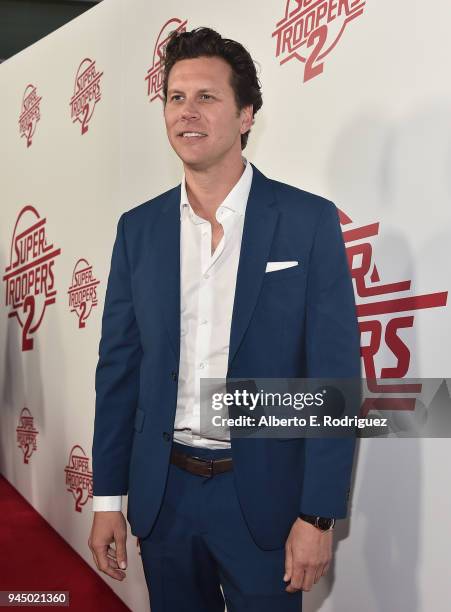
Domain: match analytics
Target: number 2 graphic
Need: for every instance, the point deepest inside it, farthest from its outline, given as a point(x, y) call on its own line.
point(311, 70)
point(29, 134)
point(84, 123)
point(81, 320)
point(28, 305)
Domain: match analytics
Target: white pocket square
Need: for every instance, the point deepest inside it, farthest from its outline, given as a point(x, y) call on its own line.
point(271, 266)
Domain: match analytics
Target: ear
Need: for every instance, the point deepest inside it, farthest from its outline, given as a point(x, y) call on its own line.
point(247, 118)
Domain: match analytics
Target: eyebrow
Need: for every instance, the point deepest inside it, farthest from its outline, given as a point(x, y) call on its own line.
point(203, 90)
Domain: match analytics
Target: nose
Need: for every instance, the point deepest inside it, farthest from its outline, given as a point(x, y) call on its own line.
point(189, 111)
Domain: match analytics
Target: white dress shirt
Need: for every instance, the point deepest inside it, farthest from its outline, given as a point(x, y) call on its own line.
point(207, 291)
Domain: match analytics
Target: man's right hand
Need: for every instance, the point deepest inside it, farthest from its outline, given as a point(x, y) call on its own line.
point(109, 527)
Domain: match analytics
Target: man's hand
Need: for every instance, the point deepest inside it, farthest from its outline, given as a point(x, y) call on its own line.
point(108, 527)
point(308, 553)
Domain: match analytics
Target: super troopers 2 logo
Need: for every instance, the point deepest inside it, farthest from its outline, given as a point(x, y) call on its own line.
point(29, 277)
point(29, 113)
point(383, 315)
point(79, 477)
point(26, 434)
point(82, 292)
point(310, 29)
point(154, 76)
point(86, 93)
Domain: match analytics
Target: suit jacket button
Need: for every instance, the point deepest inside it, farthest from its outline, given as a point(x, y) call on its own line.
point(166, 436)
point(174, 375)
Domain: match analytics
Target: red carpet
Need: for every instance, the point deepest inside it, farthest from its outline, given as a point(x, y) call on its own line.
point(33, 556)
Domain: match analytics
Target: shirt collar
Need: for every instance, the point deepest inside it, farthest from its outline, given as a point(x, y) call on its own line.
point(236, 199)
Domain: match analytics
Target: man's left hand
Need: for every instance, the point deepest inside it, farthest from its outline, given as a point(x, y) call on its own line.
point(308, 553)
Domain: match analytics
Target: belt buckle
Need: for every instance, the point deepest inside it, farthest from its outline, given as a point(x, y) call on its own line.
point(208, 462)
point(210, 467)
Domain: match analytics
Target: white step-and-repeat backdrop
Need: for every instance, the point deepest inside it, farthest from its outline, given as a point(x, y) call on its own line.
point(357, 108)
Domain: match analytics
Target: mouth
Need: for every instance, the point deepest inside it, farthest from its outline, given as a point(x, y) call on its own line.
point(192, 135)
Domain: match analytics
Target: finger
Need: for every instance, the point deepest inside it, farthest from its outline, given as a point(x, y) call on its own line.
point(326, 568)
point(92, 552)
point(94, 556)
point(319, 572)
point(112, 563)
point(297, 574)
point(309, 578)
point(121, 550)
point(296, 580)
point(105, 567)
point(288, 563)
point(111, 552)
point(115, 573)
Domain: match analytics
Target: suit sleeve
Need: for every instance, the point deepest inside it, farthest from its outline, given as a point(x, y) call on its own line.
point(332, 351)
point(116, 378)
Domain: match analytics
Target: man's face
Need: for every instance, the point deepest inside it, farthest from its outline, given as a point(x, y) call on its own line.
point(203, 123)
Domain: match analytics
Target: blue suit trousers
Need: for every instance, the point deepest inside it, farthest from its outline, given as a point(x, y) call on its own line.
point(200, 555)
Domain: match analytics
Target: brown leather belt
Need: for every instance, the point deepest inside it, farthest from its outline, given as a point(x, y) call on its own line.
point(199, 466)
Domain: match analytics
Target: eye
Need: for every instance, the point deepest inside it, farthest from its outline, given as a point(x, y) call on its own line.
point(175, 96)
point(208, 96)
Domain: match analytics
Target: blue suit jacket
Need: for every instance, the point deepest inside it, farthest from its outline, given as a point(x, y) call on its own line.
point(297, 322)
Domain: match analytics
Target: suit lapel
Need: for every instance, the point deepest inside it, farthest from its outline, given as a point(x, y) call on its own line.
point(259, 225)
point(168, 259)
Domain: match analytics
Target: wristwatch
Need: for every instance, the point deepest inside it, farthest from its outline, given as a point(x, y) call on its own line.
point(321, 522)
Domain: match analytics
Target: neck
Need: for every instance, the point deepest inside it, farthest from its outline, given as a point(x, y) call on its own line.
point(207, 188)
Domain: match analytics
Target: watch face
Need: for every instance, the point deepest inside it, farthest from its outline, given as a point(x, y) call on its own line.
point(325, 523)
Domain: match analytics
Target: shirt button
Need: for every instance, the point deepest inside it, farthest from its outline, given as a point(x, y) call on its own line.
point(174, 375)
point(203, 322)
point(202, 365)
point(206, 276)
point(166, 436)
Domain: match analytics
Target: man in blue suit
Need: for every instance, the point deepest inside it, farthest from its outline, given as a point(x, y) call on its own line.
point(228, 275)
